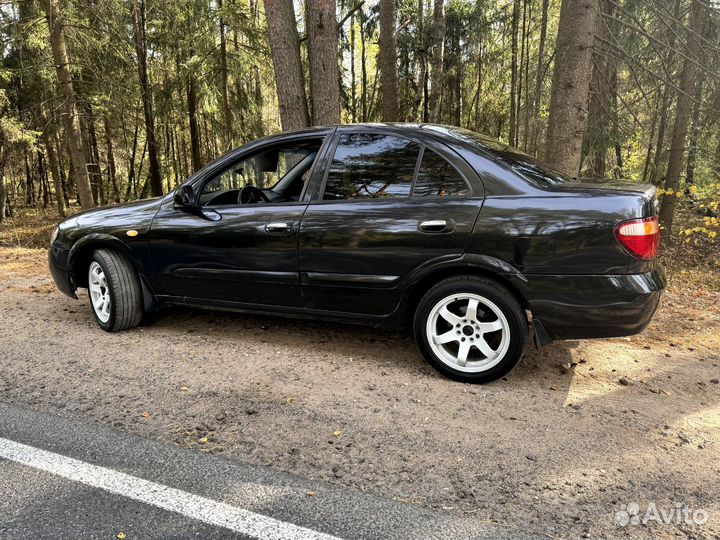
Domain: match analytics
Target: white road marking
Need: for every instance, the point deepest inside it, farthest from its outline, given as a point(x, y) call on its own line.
point(188, 504)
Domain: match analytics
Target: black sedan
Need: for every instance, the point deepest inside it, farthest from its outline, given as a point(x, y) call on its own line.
point(471, 243)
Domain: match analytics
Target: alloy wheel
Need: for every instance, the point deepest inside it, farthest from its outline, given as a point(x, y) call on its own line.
point(99, 292)
point(468, 332)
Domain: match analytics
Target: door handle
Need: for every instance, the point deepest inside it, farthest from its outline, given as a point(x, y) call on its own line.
point(277, 227)
point(435, 225)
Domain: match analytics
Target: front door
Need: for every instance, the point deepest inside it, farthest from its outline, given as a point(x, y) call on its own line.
point(388, 205)
point(239, 244)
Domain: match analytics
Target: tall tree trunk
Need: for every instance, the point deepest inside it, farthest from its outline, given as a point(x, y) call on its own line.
point(353, 73)
point(479, 94)
point(56, 23)
point(539, 77)
point(285, 50)
point(454, 64)
point(660, 144)
point(228, 141)
point(618, 170)
point(666, 99)
point(324, 71)
point(57, 148)
point(93, 154)
point(132, 178)
point(648, 154)
point(193, 121)
point(421, 98)
point(111, 167)
point(138, 17)
point(512, 135)
point(3, 188)
point(363, 71)
point(694, 132)
point(597, 136)
point(388, 61)
point(29, 181)
point(571, 85)
point(698, 13)
point(42, 173)
point(436, 63)
point(54, 171)
point(3, 196)
point(525, 57)
point(173, 147)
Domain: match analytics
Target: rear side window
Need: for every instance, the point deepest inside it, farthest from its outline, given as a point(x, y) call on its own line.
point(437, 178)
point(371, 166)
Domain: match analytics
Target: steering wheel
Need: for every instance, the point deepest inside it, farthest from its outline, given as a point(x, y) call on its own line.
point(250, 194)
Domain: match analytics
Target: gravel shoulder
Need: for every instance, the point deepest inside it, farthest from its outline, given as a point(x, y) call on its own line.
point(574, 433)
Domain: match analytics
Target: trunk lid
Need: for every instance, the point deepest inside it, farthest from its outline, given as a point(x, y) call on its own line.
point(648, 192)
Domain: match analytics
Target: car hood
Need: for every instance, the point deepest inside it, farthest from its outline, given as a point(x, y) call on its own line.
point(110, 211)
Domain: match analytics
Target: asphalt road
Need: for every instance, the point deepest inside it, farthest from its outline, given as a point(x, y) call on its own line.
point(68, 479)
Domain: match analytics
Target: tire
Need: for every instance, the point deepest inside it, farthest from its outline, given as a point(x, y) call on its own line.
point(111, 276)
point(471, 349)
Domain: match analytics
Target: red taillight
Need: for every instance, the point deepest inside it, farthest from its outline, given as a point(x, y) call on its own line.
point(641, 237)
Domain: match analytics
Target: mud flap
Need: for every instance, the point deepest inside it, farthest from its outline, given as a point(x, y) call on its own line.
point(150, 303)
point(540, 335)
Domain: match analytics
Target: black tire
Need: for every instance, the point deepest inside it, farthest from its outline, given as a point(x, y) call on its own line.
point(126, 309)
point(497, 294)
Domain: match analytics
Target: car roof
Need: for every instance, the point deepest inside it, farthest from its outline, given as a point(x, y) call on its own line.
point(458, 136)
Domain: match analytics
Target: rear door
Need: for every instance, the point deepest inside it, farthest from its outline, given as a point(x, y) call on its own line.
point(388, 204)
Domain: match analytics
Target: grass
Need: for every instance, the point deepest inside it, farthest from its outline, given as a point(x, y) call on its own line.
point(30, 227)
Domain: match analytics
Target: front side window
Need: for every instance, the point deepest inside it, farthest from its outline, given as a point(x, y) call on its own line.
point(371, 166)
point(279, 172)
point(437, 178)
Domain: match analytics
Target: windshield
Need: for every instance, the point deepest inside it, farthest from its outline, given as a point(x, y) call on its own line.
point(521, 163)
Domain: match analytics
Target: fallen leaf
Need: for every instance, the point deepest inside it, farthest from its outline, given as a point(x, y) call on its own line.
point(337, 433)
point(203, 440)
point(146, 414)
point(121, 535)
point(311, 493)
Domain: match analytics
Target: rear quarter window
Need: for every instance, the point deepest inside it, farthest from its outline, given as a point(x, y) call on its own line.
point(438, 178)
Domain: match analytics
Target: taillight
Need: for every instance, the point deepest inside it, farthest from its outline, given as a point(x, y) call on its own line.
point(640, 237)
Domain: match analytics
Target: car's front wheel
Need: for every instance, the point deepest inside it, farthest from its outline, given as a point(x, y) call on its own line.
point(471, 329)
point(114, 291)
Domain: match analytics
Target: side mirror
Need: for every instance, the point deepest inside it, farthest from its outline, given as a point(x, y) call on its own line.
point(183, 198)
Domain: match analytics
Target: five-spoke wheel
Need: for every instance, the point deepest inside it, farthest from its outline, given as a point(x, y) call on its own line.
point(468, 332)
point(471, 328)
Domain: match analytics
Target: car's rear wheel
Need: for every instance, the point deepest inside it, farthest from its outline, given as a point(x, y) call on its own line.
point(471, 329)
point(114, 291)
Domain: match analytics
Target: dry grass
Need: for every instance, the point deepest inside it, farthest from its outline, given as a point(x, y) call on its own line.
point(30, 227)
point(22, 261)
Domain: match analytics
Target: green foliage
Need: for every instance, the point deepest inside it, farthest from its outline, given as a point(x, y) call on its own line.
point(642, 46)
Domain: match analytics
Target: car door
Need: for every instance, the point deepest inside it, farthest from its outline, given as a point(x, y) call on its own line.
point(226, 252)
point(388, 205)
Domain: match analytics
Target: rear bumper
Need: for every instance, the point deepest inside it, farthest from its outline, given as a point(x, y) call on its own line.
point(578, 307)
point(57, 261)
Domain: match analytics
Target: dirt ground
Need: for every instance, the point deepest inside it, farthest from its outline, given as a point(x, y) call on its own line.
point(572, 435)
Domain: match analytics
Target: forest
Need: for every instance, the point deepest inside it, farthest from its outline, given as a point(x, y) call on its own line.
point(105, 101)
